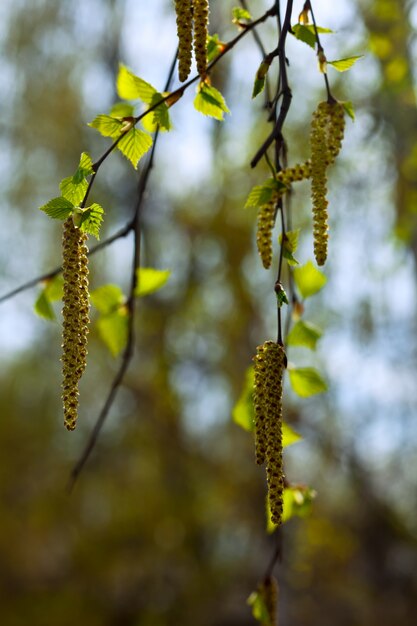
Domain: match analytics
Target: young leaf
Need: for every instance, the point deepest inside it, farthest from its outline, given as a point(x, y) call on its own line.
point(107, 298)
point(42, 306)
point(309, 279)
point(159, 118)
point(91, 219)
point(260, 78)
point(58, 208)
point(263, 194)
point(131, 87)
point(281, 294)
point(209, 101)
point(113, 330)
point(122, 109)
point(348, 106)
point(298, 501)
point(342, 65)
point(306, 381)
point(304, 334)
point(107, 126)
point(134, 145)
point(54, 287)
point(290, 245)
point(85, 168)
point(74, 192)
point(214, 47)
point(243, 413)
point(239, 15)
point(289, 436)
point(150, 280)
point(306, 33)
point(259, 609)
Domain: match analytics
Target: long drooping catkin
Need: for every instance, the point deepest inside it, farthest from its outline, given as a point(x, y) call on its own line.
point(75, 314)
point(201, 14)
point(183, 9)
point(326, 137)
point(270, 362)
point(268, 589)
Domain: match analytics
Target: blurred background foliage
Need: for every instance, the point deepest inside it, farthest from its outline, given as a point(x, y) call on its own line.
point(166, 526)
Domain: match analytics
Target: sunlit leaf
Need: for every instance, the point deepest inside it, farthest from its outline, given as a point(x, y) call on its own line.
point(239, 14)
point(304, 334)
point(43, 307)
point(58, 208)
point(342, 65)
point(113, 330)
point(309, 279)
point(306, 381)
point(85, 168)
point(298, 501)
point(243, 412)
point(348, 106)
point(260, 78)
point(306, 33)
point(159, 118)
point(131, 87)
point(214, 47)
point(91, 220)
point(107, 298)
point(259, 608)
point(290, 245)
point(289, 436)
point(150, 280)
point(107, 126)
point(74, 192)
point(122, 109)
point(134, 145)
point(209, 101)
point(263, 194)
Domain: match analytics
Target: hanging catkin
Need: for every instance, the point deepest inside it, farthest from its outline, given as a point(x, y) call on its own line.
point(75, 318)
point(183, 9)
point(327, 129)
point(268, 590)
point(266, 221)
point(201, 15)
point(270, 362)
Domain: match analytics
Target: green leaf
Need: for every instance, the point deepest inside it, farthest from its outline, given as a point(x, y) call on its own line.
point(348, 106)
point(259, 608)
point(306, 381)
point(265, 193)
point(43, 308)
point(134, 145)
point(260, 78)
point(306, 33)
point(243, 412)
point(91, 220)
point(53, 288)
point(107, 126)
point(122, 109)
point(239, 15)
point(131, 87)
point(298, 501)
point(214, 47)
point(289, 436)
point(209, 101)
point(107, 298)
point(85, 168)
point(113, 330)
point(74, 192)
point(150, 280)
point(290, 245)
point(281, 295)
point(159, 118)
point(58, 208)
point(304, 334)
point(309, 279)
point(342, 65)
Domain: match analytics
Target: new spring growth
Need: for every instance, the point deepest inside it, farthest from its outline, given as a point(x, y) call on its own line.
point(201, 15)
point(183, 9)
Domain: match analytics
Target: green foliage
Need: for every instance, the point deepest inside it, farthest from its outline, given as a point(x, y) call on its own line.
point(159, 118)
point(343, 65)
point(150, 280)
point(281, 295)
point(107, 125)
point(107, 298)
point(263, 194)
point(113, 330)
point(306, 381)
point(240, 14)
point(348, 106)
point(260, 78)
point(243, 411)
point(122, 109)
point(289, 435)
point(214, 47)
point(309, 279)
point(58, 208)
point(131, 87)
point(91, 220)
point(304, 334)
point(298, 501)
point(51, 291)
point(290, 245)
point(209, 101)
point(306, 33)
point(134, 145)
point(259, 608)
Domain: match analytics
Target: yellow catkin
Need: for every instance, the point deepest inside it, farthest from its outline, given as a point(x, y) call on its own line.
point(75, 314)
point(327, 129)
point(270, 362)
point(265, 226)
point(201, 15)
point(298, 172)
point(268, 589)
point(183, 9)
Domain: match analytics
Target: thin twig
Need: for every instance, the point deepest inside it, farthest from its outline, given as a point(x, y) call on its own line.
point(308, 7)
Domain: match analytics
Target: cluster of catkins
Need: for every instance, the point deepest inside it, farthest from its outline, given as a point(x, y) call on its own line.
point(189, 13)
point(75, 318)
point(270, 362)
point(327, 129)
